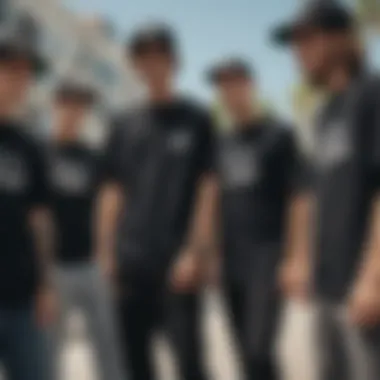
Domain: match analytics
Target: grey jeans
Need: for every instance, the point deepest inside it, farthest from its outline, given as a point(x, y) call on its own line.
point(345, 351)
point(82, 286)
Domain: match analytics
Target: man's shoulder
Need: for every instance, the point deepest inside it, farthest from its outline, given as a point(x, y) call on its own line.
point(29, 140)
point(281, 129)
point(127, 116)
point(369, 87)
point(195, 108)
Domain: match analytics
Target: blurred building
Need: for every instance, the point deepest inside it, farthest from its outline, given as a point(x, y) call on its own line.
point(78, 46)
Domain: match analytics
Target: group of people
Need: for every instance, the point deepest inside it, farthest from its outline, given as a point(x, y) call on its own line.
point(133, 233)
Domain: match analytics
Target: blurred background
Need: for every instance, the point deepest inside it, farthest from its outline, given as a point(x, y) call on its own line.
point(86, 37)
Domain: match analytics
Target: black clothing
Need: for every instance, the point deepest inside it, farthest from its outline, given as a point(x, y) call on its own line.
point(158, 156)
point(258, 169)
point(23, 187)
point(74, 180)
point(181, 318)
point(253, 306)
point(347, 181)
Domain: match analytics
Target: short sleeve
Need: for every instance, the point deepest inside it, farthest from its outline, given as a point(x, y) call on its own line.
point(374, 141)
point(111, 157)
point(207, 144)
point(39, 193)
point(298, 168)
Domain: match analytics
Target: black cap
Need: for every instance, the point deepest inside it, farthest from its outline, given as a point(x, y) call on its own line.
point(229, 67)
point(160, 36)
point(328, 15)
point(75, 89)
point(21, 41)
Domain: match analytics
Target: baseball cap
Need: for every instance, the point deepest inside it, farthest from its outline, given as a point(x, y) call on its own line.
point(229, 67)
point(76, 89)
point(157, 35)
point(328, 15)
point(18, 42)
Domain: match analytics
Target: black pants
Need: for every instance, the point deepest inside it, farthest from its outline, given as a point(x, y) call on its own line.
point(142, 312)
point(253, 304)
point(345, 350)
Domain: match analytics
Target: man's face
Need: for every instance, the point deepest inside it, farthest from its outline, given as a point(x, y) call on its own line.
point(236, 93)
point(70, 113)
point(155, 67)
point(16, 76)
point(312, 49)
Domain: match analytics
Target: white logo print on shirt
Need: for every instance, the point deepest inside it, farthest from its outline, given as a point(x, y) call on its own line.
point(71, 177)
point(180, 141)
point(240, 167)
point(335, 147)
point(13, 173)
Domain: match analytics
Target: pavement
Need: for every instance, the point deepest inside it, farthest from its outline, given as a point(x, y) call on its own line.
point(294, 349)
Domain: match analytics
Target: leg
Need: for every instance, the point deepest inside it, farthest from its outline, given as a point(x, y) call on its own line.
point(26, 355)
point(346, 351)
point(101, 320)
point(138, 315)
point(333, 354)
point(261, 310)
point(184, 327)
point(67, 295)
point(233, 298)
point(372, 341)
point(362, 348)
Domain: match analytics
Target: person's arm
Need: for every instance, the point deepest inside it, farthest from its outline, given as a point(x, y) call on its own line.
point(364, 300)
point(371, 259)
point(295, 270)
point(41, 225)
point(41, 222)
point(202, 237)
point(370, 267)
point(109, 202)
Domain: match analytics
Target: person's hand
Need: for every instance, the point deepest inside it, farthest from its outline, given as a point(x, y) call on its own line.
point(187, 272)
point(214, 271)
point(294, 278)
point(46, 306)
point(107, 266)
point(364, 302)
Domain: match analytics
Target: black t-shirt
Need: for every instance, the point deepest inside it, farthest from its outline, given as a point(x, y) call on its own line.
point(73, 180)
point(347, 179)
point(258, 169)
point(22, 188)
point(157, 154)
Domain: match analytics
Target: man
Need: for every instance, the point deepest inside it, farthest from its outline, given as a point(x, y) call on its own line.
point(26, 302)
point(157, 165)
point(346, 261)
point(255, 166)
point(74, 184)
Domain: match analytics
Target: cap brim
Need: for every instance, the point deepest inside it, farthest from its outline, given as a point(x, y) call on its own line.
point(216, 76)
point(212, 76)
point(78, 97)
point(39, 63)
point(284, 34)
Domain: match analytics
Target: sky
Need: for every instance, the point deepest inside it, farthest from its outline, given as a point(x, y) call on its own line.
point(211, 29)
